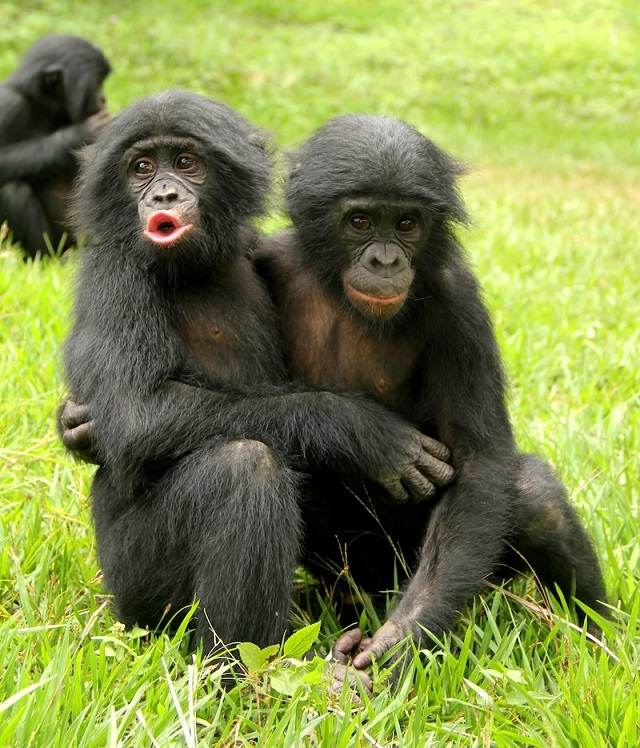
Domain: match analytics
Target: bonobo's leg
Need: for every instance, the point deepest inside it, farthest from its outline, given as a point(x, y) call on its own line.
point(552, 540)
point(245, 582)
point(222, 526)
point(27, 218)
point(462, 546)
point(347, 527)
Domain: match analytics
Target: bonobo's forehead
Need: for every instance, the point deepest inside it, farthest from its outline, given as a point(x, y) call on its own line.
point(381, 205)
point(361, 154)
point(163, 144)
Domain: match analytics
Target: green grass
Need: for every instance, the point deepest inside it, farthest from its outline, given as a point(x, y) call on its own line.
point(541, 99)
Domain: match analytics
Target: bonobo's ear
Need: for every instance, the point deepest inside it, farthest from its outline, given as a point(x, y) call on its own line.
point(53, 82)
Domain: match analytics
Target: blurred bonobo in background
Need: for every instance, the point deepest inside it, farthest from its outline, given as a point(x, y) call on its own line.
point(49, 107)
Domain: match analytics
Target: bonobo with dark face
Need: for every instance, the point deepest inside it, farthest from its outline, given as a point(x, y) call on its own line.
point(375, 295)
point(381, 206)
point(176, 349)
point(383, 241)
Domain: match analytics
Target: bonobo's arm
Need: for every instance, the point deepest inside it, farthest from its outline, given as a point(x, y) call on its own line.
point(38, 157)
point(420, 462)
point(346, 432)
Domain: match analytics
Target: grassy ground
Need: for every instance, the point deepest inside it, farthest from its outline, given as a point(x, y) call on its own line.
point(542, 100)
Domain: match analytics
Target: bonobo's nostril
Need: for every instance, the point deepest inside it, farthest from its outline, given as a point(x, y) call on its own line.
point(165, 194)
point(383, 260)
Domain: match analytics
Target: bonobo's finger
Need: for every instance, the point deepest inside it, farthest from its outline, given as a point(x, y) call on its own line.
point(340, 669)
point(394, 488)
point(441, 473)
point(435, 448)
point(72, 415)
point(346, 645)
point(337, 674)
point(97, 121)
point(385, 637)
point(78, 439)
point(419, 487)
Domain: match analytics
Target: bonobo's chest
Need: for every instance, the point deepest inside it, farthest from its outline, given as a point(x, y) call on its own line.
point(229, 328)
point(327, 347)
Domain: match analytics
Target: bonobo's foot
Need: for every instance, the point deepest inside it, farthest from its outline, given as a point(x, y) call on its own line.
point(342, 669)
point(386, 637)
point(594, 630)
point(226, 670)
point(352, 655)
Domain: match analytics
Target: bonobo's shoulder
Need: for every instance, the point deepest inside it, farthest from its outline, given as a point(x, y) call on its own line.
point(456, 277)
point(276, 248)
point(275, 257)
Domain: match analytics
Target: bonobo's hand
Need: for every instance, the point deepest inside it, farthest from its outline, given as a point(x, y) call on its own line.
point(97, 121)
point(417, 473)
point(75, 427)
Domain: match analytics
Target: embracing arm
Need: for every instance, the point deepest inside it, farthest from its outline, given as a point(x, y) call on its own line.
point(348, 433)
point(142, 415)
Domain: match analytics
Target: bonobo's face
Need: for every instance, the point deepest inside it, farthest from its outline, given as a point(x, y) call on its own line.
point(165, 176)
point(381, 240)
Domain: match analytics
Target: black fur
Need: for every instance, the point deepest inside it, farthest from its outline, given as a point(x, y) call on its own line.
point(435, 361)
point(177, 350)
point(46, 107)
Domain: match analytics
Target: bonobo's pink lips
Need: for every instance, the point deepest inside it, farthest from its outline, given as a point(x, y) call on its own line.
point(376, 300)
point(164, 228)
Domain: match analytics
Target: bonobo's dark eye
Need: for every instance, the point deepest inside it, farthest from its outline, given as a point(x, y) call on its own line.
point(406, 224)
point(188, 163)
point(360, 222)
point(143, 166)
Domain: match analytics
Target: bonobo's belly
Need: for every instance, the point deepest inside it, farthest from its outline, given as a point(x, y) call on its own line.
point(230, 330)
point(227, 354)
point(327, 348)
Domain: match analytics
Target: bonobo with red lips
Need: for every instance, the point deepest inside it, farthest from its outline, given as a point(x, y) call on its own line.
point(165, 179)
point(164, 228)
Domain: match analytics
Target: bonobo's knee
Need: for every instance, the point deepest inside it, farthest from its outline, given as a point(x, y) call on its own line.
point(16, 201)
point(20, 191)
point(541, 502)
point(536, 479)
point(26, 217)
point(249, 455)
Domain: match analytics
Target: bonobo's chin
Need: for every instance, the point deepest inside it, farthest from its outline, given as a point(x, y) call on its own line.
point(164, 228)
point(375, 308)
